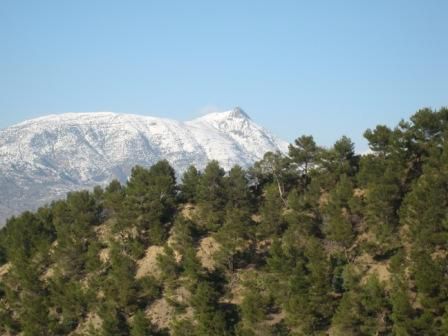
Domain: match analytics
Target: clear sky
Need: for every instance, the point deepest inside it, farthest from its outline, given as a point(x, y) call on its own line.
point(325, 68)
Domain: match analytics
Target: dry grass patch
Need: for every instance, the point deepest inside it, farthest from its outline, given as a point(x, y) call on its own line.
point(104, 255)
point(372, 267)
point(161, 313)
point(4, 269)
point(188, 211)
point(148, 265)
point(208, 246)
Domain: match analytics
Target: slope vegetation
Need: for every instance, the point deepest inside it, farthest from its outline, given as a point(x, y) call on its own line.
point(319, 242)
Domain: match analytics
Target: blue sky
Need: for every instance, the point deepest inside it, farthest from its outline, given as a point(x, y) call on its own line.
point(325, 68)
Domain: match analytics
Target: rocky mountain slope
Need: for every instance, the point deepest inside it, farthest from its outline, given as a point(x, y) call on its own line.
point(44, 158)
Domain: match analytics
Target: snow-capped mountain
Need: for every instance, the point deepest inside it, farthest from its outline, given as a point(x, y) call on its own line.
point(44, 158)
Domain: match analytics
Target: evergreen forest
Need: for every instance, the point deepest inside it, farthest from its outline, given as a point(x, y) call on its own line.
point(316, 241)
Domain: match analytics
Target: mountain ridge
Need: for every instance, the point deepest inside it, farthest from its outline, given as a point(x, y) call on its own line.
point(44, 158)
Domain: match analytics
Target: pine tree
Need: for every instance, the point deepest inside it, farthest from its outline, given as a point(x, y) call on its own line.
point(272, 221)
point(402, 311)
point(183, 327)
point(254, 307)
point(120, 285)
point(237, 189)
point(380, 139)
point(338, 215)
point(190, 183)
point(234, 237)
point(275, 169)
point(304, 153)
point(69, 298)
point(363, 311)
point(168, 265)
point(150, 199)
point(114, 196)
point(113, 321)
point(425, 207)
point(304, 216)
point(337, 161)
point(27, 296)
point(383, 200)
point(74, 221)
point(212, 196)
point(140, 326)
point(210, 320)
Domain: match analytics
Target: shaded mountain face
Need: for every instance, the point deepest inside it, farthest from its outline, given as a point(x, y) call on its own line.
point(43, 159)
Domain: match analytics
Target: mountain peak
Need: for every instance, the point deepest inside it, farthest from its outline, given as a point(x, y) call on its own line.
point(238, 112)
point(235, 113)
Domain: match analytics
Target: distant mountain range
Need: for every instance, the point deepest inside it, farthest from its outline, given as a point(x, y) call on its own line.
point(44, 158)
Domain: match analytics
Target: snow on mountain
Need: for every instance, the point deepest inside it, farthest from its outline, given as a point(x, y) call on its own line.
point(44, 158)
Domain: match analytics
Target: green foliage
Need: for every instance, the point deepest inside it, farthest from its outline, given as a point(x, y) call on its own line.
point(233, 237)
point(191, 266)
point(140, 325)
point(26, 235)
point(304, 215)
point(383, 196)
point(150, 200)
point(425, 207)
point(28, 298)
point(74, 220)
point(150, 289)
point(363, 311)
point(211, 320)
point(309, 305)
point(338, 213)
point(185, 234)
point(340, 159)
point(114, 196)
point(34, 316)
point(120, 285)
point(304, 153)
point(93, 262)
point(168, 265)
point(237, 189)
point(70, 300)
point(190, 184)
point(302, 241)
point(272, 221)
point(380, 139)
point(402, 312)
point(183, 327)
point(113, 321)
point(277, 170)
point(279, 260)
point(211, 196)
point(255, 307)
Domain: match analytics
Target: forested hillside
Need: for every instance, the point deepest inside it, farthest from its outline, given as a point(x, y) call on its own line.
point(319, 242)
